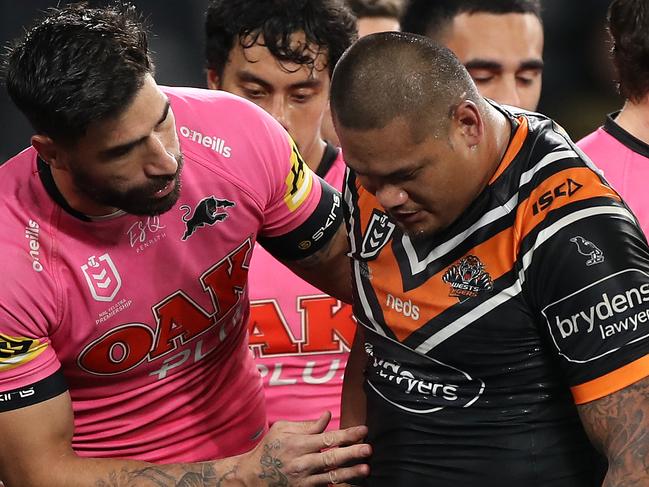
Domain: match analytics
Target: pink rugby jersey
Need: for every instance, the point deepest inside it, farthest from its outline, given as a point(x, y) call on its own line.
point(300, 337)
point(625, 162)
point(144, 319)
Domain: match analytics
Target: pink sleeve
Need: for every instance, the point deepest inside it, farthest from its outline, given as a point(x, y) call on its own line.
point(296, 190)
point(255, 150)
point(26, 353)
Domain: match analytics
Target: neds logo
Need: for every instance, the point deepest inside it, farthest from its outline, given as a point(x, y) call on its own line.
point(406, 308)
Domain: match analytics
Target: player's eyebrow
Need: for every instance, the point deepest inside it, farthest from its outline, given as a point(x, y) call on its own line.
point(491, 65)
point(124, 148)
point(486, 64)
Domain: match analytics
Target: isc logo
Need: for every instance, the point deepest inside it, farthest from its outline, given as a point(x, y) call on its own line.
point(567, 188)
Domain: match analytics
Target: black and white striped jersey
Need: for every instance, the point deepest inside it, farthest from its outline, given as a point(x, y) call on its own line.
point(481, 339)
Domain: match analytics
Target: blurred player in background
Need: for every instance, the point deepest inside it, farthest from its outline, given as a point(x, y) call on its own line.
point(280, 55)
point(621, 146)
point(500, 42)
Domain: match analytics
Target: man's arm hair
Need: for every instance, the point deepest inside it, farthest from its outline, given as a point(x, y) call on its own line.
point(618, 425)
point(36, 451)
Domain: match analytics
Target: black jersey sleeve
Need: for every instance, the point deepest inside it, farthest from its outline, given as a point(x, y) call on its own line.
point(586, 272)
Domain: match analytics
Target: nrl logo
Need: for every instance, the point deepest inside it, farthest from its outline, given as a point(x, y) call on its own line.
point(468, 278)
point(378, 234)
point(102, 277)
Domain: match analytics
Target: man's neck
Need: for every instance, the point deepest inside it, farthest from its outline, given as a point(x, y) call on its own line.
point(75, 198)
point(634, 118)
point(314, 157)
point(498, 130)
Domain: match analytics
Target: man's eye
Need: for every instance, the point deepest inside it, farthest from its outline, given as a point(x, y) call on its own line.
point(253, 93)
point(526, 78)
point(483, 79)
point(301, 97)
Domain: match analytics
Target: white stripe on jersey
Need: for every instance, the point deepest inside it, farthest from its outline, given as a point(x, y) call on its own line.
point(357, 267)
point(417, 266)
point(513, 290)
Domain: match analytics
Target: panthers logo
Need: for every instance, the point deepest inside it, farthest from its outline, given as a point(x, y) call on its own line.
point(468, 278)
point(206, 213)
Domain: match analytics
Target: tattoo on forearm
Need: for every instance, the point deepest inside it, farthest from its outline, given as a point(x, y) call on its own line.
point(618, 425)
point(271, 466)
point(201, 475)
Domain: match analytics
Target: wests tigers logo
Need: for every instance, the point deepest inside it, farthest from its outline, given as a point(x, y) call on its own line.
point(468, 278)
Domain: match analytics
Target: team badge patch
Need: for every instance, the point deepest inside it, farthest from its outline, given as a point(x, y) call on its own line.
point(15, 351)
point(589, 249)
point(468, 278)
point(378, 234)
point(298, 181)
point(207, 212)
point(102, 277)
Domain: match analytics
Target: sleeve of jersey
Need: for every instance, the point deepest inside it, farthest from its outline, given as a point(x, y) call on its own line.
point(30, 371)
point(304, 211)
point(584, 266)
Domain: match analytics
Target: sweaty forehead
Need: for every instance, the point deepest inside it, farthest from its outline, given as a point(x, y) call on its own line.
point(505, 38)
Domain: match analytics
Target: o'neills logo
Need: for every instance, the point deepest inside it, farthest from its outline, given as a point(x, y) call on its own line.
point(32, 233)
point(217, 144)
point(468, 278)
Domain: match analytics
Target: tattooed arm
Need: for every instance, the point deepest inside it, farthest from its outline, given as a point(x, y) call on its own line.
point(328, 269)
point(618, 425)
point(36, 451)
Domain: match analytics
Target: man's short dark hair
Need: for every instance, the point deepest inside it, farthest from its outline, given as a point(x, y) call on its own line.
point(376, 8)
point(432, 17)
point(628, 24)
point(328, 25)
point(78, 65)
point(393, 75)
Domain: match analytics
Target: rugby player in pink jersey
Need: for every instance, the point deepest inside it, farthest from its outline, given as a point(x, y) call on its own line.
point(124, 299)
point(280, 55)
point(621, 146)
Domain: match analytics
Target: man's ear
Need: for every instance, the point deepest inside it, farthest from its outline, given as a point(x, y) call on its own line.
point(213, 80)
point(48, 150)
point(468, 120)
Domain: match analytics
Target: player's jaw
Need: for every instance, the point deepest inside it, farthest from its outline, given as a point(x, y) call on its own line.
point(155, 196)
point(416, 222)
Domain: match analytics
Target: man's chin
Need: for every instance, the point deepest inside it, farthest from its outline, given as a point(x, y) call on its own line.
point(417, 232)
point(154, 206)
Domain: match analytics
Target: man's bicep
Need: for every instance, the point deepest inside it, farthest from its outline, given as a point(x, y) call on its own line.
point(32, 437)
point(618, 425)
point(328, 269)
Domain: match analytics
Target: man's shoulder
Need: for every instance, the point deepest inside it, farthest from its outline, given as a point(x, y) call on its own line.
point(595, 140)
point(188, 100)
point(213, 121)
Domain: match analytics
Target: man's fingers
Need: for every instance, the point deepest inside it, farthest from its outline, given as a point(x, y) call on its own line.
point(339, 475)
point(331, 439)
point(333, 458)
point(305, 427)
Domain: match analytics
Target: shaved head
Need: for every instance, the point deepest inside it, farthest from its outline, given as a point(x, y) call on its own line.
point(393, 75)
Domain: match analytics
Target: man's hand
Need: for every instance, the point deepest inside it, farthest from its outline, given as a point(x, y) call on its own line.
point(37, 451)
point(302, 454)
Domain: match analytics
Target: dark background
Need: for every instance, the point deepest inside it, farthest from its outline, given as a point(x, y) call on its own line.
point(578, 89)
